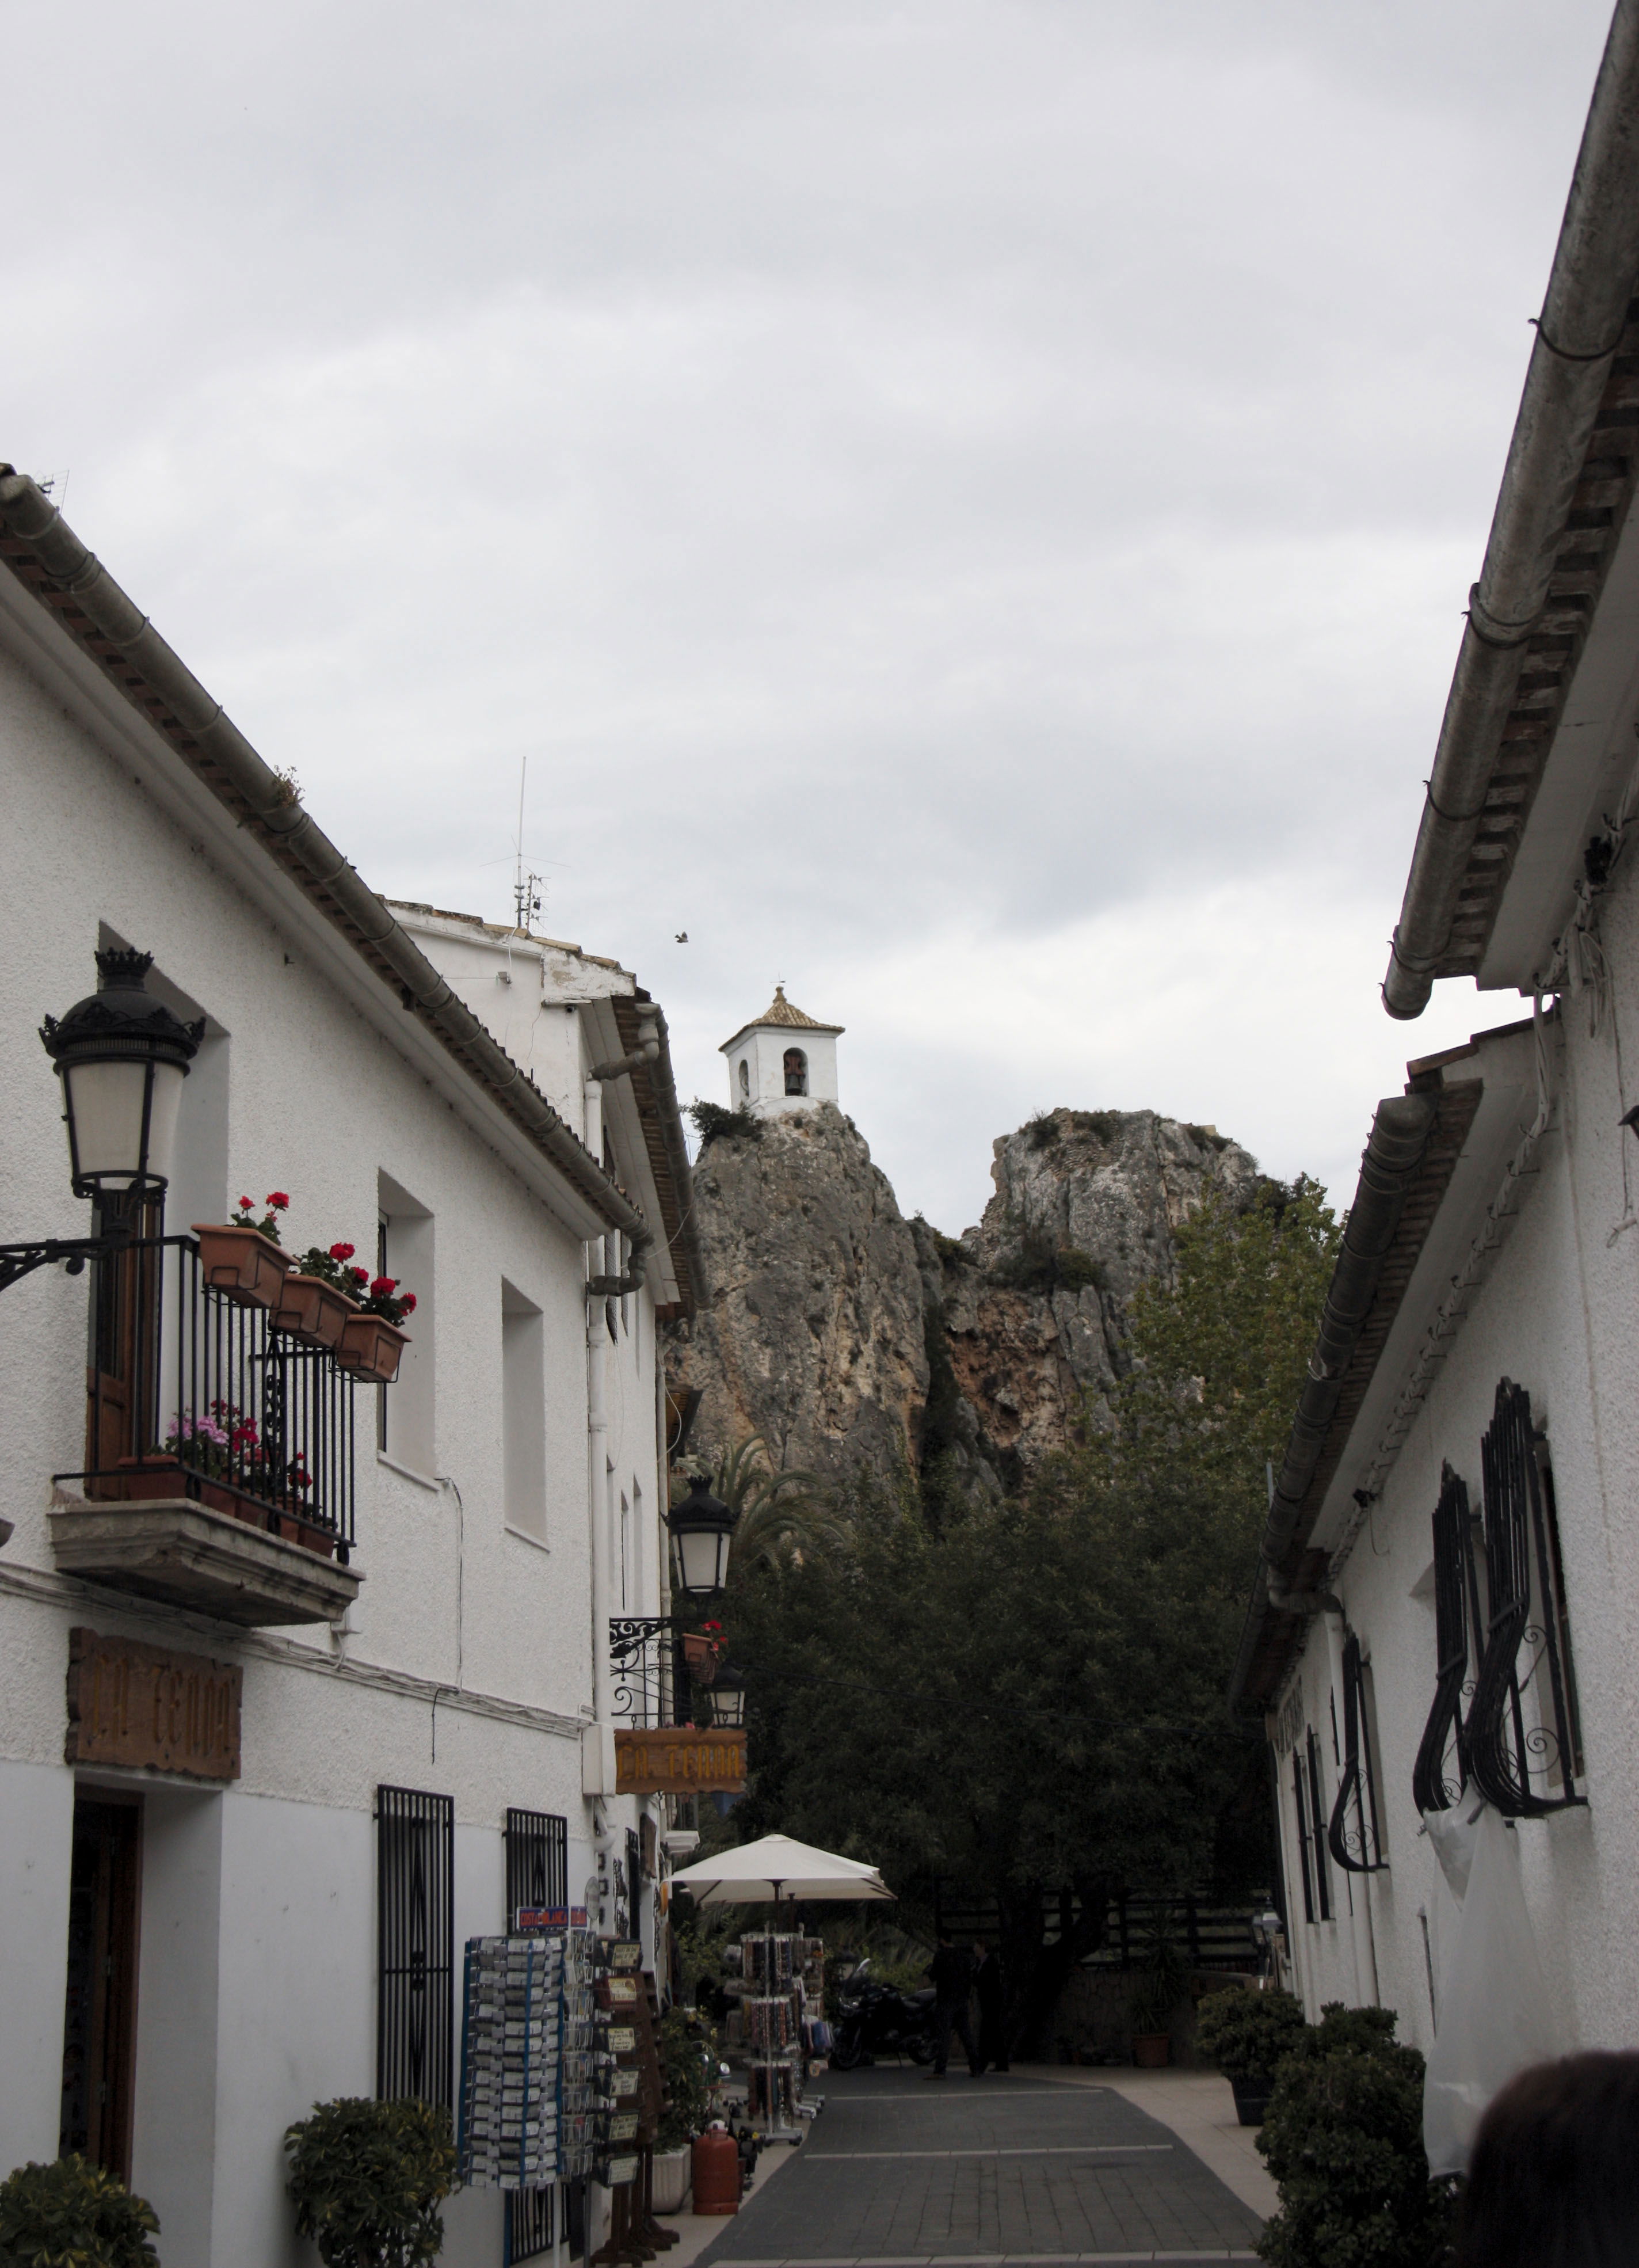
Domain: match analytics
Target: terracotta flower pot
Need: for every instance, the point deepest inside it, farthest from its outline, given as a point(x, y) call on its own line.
point(242, 1263)
point(146, 1480)
point(313, 1311)
point(700, 1655)
point(296, 1530)
point(371, 1349)
point(1151, 2050)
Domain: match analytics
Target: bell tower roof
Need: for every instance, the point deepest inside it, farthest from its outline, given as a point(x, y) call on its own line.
point(784, 1017)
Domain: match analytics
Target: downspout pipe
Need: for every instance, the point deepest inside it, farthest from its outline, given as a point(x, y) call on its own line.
point(663, 1081)
point(227, 758)
point(1594, 267)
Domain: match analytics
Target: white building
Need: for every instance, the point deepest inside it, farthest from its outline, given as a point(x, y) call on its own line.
point(781, 1061)
point(262, 1776)
point(1441, 1634)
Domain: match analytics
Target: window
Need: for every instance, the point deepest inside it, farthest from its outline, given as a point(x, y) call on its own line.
point(1316, 1812)
point(1522, 1739)
point(405, 1250)
point(1442, 1767)
point(537, 1861)
point(1353, 1835)
point(795, 1071)
point(416, 1945)
point(744, 1081)
point(99, 2016)
point(1303, 1836)
point(524, 1412)
point(626, 1554)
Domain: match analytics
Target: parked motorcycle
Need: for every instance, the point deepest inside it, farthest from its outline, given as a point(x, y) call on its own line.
point(879, 2020)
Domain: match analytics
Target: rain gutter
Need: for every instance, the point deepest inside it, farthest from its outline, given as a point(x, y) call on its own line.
point(1582, 316)
point(218, 752)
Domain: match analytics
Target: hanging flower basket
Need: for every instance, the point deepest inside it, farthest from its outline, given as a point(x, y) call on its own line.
point(371, 1349)
point(241, 1262)
point(313, 1311)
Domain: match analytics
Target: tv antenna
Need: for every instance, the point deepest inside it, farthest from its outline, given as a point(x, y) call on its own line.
point(526, 887)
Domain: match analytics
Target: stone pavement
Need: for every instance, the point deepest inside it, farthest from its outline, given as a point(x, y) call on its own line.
point(897, 2173)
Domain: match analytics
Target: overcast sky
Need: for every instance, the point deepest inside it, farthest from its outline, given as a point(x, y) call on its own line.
point(966, 506)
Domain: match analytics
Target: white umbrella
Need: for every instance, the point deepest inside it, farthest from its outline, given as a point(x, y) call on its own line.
point(777, 1870)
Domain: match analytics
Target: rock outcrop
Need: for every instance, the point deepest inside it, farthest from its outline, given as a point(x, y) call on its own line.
point(851, 1338)
point(814, 1335)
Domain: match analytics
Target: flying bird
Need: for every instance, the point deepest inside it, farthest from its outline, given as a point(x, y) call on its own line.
point(682, 938)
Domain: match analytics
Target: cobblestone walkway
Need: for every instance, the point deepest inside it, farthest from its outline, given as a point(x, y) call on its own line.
point(898, 2174)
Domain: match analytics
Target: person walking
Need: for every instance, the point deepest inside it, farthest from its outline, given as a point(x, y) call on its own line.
point(951, 1973)
point(988, 1989)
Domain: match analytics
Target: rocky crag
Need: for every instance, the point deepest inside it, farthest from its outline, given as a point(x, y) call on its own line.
point(853, 1339)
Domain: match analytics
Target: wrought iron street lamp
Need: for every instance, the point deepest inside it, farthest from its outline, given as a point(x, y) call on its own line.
point(703, 1527)
point(727, 1693)
point(121, 1056)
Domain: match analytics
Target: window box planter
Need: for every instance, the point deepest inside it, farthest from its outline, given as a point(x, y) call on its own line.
point(166, 1480)
point(296, 1530)
point(371, 1349)
point(700, 1654)
point(1151, 2050)
point(243, 1263)
point(313, 1311)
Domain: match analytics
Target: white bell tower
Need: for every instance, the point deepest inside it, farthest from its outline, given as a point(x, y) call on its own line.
point(781, 1061)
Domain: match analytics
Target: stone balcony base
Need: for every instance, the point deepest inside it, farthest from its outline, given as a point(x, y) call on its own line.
point(179, 1552)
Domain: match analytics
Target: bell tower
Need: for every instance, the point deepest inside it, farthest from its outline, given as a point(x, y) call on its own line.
point(782, 1060)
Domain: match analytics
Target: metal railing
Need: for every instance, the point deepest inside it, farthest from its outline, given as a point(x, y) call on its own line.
point(650, 1677)
point(190, 1393)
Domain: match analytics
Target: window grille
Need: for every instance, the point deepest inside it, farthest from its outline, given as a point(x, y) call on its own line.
point(1353, 1834)
point(529, 2223)
point(416, 1945)
point(537, 1864)
point(1303, 1836)
point(1521, 1749)
point(1442, 1767)
point(1316, 1812)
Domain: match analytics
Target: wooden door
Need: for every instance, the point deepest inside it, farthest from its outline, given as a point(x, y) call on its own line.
point(99, 2017)
point(121, 1374)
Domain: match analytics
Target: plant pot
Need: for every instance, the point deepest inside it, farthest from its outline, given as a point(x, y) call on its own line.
point(700, 1655)
point(313, 1311)
point(146, 1480)
point(241, 1263)
point(1252, 2097)
point(671, 2180)
point(1152, 2050)
point(294, 1529)
point(371, 1349)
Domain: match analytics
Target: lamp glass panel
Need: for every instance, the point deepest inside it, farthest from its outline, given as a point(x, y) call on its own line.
point(727, 1706)
point(702, 1555)
point(106, 1101)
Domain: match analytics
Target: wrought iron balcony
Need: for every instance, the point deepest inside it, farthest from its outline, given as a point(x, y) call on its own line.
point(220, 1450)
point(646, 1657)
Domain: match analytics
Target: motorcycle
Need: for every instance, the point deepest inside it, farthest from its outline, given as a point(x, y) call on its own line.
point(879, 2020)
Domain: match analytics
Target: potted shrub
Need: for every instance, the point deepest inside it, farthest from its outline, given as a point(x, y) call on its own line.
point(314, 1304)
point(368, 2179)
point(1343, 2138)
point(242, 1258)
point(1162, 1981)
point(1247, 2034)
point(373, 1342)
point(72, 2211)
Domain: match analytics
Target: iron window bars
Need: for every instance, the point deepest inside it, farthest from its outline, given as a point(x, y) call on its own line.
point(1317, 1815)
point(190, 1393)
point(415, 1945)
point(1519, 1738)
point(1353, 1835)
point(1303, 1836)
point(531, 2224)
point(1508, 1753)
point(1441, 1770)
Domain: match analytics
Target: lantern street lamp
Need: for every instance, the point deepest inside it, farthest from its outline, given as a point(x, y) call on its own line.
point(121, 1056)
point(727, 1694)
point(702, 1526)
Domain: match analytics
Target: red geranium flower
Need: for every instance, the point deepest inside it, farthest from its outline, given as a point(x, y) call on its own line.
point(243, 1204)
point(342, 1251)
point(407, 1303)
point(384, 1287)
point(278, 1200)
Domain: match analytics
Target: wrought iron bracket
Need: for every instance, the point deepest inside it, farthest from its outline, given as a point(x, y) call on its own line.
point(19, 1259)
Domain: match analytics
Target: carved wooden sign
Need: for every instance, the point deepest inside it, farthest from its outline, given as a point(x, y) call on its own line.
point(130, 1703)
point(678, 1761)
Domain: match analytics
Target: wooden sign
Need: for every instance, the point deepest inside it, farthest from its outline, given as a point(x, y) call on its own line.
point(130, 1703)
point(678, 1761)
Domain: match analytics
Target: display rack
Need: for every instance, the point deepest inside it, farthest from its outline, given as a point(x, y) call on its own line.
point(782, 1990)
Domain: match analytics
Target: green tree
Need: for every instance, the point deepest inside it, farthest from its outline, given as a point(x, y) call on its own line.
point(1219, 1351)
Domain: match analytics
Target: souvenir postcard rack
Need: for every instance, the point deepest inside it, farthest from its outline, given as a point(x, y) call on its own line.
point(782, 1993)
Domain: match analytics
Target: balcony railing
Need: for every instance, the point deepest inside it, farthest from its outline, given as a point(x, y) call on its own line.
point(651, 1680)
point(190, 1395)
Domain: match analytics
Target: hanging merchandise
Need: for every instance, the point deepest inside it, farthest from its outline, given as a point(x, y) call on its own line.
point(527, 2061)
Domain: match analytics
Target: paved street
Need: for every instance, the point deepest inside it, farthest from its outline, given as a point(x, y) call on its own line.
point(896, 2172)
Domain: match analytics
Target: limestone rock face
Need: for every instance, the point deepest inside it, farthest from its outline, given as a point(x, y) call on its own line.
point(850, 1337)
point(814, 1337)
point(1033, 1301)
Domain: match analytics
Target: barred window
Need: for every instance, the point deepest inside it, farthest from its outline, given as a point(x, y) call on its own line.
point(1524, 1751)
point(416, 1945)
point(537, 1861)
point(1353, 1834)
point(1316, 1812)
point(1303, 1836)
